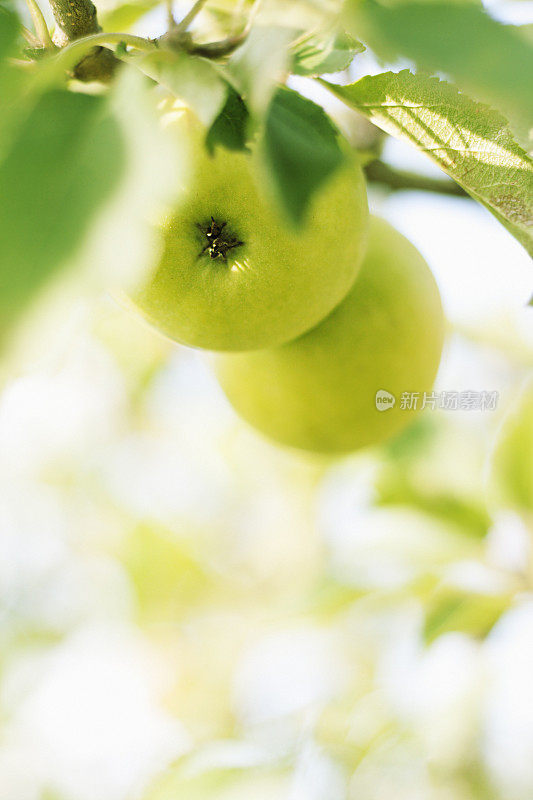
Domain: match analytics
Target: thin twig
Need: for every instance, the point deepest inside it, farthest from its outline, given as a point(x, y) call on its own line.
point(171, 22)
point(190, 16)
point(379, 172)
point(69, 58)
point(80, 47)
point(41, 27)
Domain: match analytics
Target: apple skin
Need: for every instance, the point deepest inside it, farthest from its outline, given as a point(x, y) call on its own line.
point(318, 392)
point(281, 282)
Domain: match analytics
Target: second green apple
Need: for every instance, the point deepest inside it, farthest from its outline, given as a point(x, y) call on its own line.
point(340, 386)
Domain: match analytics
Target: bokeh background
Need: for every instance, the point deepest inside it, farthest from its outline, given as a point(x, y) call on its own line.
point(187, 611)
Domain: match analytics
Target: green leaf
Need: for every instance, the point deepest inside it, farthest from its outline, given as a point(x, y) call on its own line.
point(207, 785)
point(319, 55)
point(301, 149)
point(469, 141)
point(12, 79)
point(467, 515)
point(124, 16)
point(120, 250)
point(63, 164)
point(229, 128)
point(490, 61)
point(167, 578)
point(194, 80)
point(213, 774)
point(259, 65)
point(452, 609)
point(511, 467)
point(9, 28)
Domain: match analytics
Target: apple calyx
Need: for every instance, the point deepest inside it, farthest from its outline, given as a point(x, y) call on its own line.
point(218, 244)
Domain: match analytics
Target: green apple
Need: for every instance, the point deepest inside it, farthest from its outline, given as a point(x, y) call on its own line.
point(331, 390)
point(234, 274)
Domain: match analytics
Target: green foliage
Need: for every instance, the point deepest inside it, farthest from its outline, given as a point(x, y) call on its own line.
point(242, 96)
point(319, 55)
point(9, 28)
point(229, 129)
point(65, 161)
point(468, 141)
point(166, 575)
point(259, 65)
point(194, 80)
point(511, 467)
point(470, 517)
point(11, 80)
point(490, 61)
point(452, 609)
point(122, 17)
point(260, 543)
point(301, 149)
point(195, 782)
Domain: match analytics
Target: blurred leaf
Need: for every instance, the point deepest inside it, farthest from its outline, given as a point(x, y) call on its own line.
point(208, 785)
point(229, 128)
point(259, 65)
point(123, 242)
point(9, 29)
point(451, 609)
point(490, 61)
point(412, 441)
point(301, 149)
point(67, 158)
point(12, 78)
point(51, 794)
point(203, 780)
point(166, 576)
point(511, 473)
point(125, 15)
point(470, 142)
point(330, 597)
point(319, 55)
point(196, 81)
point(395, 489)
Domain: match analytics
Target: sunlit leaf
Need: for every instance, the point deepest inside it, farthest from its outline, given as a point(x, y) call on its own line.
point(490, 61)
point(470, 142)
